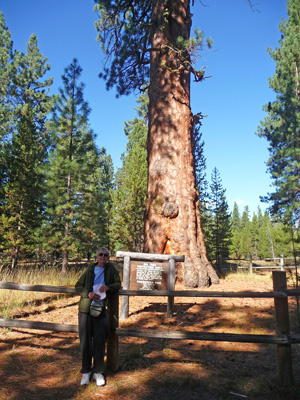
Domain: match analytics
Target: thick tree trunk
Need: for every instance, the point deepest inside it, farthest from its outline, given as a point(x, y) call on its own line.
point(172, 222)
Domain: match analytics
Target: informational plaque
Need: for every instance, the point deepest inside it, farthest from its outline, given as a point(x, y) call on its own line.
point(148, 275)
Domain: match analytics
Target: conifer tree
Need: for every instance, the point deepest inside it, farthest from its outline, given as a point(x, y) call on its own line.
point(72, 160)
point(235, 222)
point(24, 205)
point(246, 248)
point(255, 234)
point(200, 166)
point(145, 39)
point(92, 221)
point(265, 237)
point(129, 196)
point(30, 91)
point(25, 146)
point(282, 237)
point(6, 75)
point(281, 126)
point(221, 231)
point(202, 183)
point(107, 186)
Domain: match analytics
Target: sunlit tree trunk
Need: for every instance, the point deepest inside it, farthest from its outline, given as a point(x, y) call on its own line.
point(172, 222)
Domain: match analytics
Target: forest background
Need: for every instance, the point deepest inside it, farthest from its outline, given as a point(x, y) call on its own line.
point(60, 194)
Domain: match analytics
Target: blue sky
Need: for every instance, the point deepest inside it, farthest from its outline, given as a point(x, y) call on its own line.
point(232, 98)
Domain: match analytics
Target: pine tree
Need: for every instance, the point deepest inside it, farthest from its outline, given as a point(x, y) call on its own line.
point(72, 160)
point(7, 75)
point(281, 126)
point(92, 222)
point(265, 237)
point(25, 147)
point(246, 248)
point(30, 91)
point(129, 196)
point(282, 237)
point(24, 191)
point(255, 234)
point(145, 39)
point(200, 167)
point(235, 223)
point(107, 186)
point(221, 231)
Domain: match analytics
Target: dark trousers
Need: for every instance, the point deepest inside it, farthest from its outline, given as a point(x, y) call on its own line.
point(93, 333)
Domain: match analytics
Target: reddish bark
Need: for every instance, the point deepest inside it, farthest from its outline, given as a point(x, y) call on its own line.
point(172, 223)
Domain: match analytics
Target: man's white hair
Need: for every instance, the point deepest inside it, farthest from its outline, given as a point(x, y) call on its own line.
point(104, 249)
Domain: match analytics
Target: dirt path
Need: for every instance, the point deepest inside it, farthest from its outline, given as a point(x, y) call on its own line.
point(43, 365)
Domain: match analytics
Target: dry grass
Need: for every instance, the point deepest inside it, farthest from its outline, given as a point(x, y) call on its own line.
point(12, 299)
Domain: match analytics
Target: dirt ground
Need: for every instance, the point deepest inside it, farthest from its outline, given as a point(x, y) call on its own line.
point(46, 365)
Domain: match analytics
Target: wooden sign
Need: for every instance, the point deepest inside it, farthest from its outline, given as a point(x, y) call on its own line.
point(148, 275)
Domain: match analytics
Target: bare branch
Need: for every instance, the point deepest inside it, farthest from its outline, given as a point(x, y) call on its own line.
point(253, 6)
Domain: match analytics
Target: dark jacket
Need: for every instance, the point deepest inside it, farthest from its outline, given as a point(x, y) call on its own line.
point(86, 282)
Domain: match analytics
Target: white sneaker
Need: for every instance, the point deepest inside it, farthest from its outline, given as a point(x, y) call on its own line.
point(99, 378)
point(85, 379)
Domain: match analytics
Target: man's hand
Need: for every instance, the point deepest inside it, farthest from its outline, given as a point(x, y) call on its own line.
point(94, 296)
point(103, 289)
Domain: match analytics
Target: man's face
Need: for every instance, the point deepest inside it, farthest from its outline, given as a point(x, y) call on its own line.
point(102, 257)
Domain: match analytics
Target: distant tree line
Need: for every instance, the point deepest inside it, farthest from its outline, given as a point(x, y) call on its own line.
point(231, 234)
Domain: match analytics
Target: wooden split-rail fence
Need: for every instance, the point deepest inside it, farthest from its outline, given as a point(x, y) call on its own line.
point(282, 339)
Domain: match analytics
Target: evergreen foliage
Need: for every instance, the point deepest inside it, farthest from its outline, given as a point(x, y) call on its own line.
point(260, 237)
point(55, 185)
point(73, 189)
point(235, 221)
point(6, 77)
point(202, 184)
point(281, 126)
point(124, 34)
point(220, 221)
point(200, 166)
point(129, 196)
point(24, 205)
point(24, 109)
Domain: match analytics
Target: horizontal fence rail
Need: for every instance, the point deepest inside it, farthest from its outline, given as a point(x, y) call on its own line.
point(44, 326)
point(208, 336)
point(194, 293)
point(36, 288)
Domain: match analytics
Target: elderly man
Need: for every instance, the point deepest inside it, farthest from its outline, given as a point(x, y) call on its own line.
point(95, 285)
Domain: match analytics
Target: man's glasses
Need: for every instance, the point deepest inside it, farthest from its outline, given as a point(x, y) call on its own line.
point(103, 254)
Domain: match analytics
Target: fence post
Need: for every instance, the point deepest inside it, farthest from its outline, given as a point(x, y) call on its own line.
point(126, 283)
point(284, 354)
point(171, 287)
point(113, 340)
point(281, 262)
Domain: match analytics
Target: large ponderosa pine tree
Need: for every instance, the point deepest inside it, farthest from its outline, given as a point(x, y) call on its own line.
point(152, 39)
point(282, 125)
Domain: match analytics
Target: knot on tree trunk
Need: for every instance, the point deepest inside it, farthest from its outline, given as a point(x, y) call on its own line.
point(170, 209)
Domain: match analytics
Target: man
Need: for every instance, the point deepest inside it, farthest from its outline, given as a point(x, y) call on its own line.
point(95, 286)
